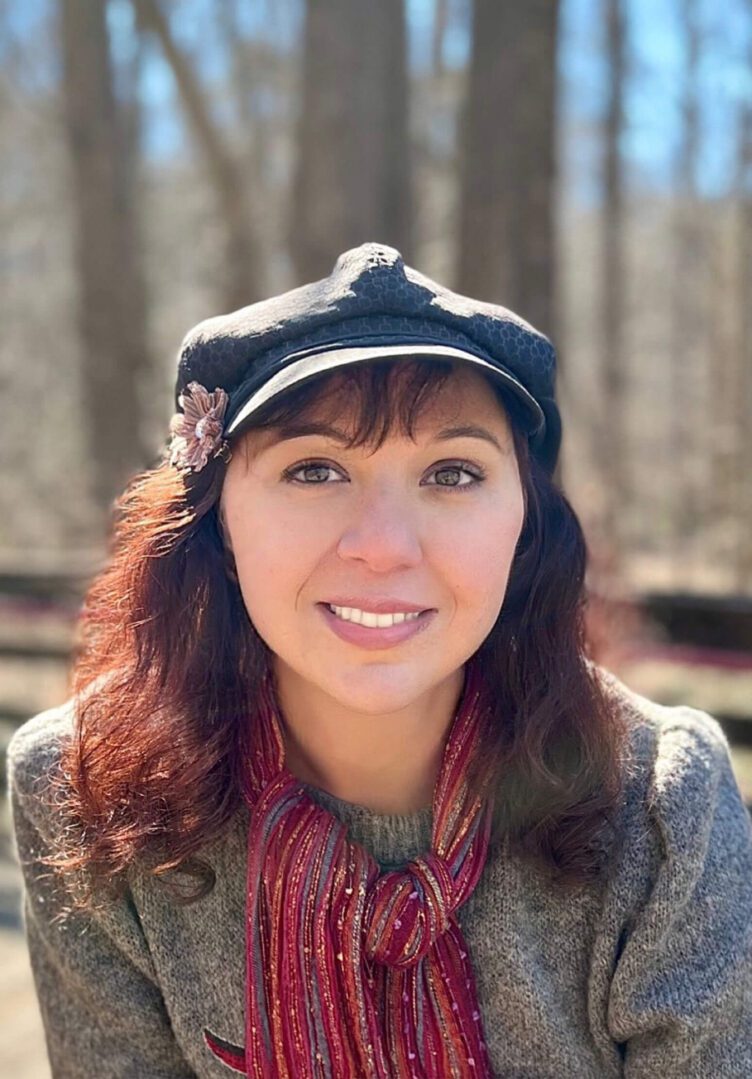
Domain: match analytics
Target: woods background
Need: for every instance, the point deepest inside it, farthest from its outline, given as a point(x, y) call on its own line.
point(587, 163)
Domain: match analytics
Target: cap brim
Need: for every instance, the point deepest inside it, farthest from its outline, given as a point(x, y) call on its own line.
point(315, 363)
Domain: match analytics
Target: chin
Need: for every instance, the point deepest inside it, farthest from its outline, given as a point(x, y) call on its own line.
point(377, 689)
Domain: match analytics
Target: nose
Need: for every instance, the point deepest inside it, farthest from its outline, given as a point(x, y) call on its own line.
point(383, 532)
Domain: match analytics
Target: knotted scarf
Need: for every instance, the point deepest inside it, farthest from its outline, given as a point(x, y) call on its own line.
point(352, 972)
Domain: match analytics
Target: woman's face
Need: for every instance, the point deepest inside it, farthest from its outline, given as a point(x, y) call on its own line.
point(431, 523)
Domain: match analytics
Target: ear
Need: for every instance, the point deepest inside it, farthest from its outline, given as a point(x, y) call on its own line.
point(230, 567)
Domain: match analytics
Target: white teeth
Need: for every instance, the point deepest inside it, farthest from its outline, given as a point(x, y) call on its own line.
point(370, 618)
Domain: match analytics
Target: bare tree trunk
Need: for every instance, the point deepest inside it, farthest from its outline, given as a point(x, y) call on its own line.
point(242, 283)
point(438, 34)
point(613, 441)
point(508, 175)
point(112, 314)
point(688, 330)
point(247, 74)
point(352, 178)
point(742, 486)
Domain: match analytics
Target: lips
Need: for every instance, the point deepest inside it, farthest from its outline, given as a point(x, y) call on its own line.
point(376, 636)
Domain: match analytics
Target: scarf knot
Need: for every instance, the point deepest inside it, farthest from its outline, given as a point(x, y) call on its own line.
point(351, 971)
point(407, 910)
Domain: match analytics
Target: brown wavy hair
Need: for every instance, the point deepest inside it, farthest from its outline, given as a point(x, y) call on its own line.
point(168, 661)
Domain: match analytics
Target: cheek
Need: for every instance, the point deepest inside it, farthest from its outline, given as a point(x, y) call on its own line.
point(480, 554)
point(274, 556)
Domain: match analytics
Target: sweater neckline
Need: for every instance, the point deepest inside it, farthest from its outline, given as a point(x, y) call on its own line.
point(391, 838)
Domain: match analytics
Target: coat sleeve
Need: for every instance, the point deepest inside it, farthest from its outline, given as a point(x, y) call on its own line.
point(99, 998)
point(680, 1002)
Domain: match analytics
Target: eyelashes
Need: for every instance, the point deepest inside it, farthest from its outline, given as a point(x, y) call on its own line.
point(476, 473)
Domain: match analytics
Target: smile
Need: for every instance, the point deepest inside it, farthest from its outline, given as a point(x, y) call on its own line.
point(376, 630)
point(371, 618)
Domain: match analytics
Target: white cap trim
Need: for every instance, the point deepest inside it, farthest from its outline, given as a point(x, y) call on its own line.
point(317, 362)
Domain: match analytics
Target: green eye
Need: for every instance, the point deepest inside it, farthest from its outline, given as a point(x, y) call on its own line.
point(313, 474)
point(290, 475)
point(455, 468)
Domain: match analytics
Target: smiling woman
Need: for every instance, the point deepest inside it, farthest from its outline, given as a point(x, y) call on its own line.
point(354, 536)
point(339, 791)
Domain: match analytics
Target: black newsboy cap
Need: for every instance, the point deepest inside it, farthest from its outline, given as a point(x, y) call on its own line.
point(372, 306)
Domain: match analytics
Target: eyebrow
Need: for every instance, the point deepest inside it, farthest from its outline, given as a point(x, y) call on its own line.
point(299, 430)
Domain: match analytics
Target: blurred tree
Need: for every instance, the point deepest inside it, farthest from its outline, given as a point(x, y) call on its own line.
point(242, 284)
point(612, 434)
point(741, 505)
point(262, 65)
point(438, 34)
point(727, 507)
point(688, 357)
point(249, 74)
point(508, 159)
point(352, 175)
point(112, 298)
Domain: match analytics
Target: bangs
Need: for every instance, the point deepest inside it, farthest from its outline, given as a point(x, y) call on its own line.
point(380, 398)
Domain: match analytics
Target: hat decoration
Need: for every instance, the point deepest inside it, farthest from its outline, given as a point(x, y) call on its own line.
point(197, 431)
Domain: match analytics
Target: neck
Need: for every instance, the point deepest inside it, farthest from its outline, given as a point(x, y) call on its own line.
point(388, 763)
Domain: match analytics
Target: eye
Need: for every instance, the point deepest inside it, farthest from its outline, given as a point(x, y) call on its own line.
point(314, 474)
point(290, 475)
point(452, 469)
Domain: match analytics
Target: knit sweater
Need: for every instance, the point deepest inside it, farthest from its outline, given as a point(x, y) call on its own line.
point(647, 972)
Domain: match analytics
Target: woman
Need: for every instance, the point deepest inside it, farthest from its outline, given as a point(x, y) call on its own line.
point(338, 791)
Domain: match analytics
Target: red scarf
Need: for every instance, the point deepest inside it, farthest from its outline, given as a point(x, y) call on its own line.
point(352, 972)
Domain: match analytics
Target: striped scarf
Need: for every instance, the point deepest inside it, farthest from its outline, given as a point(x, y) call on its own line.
point(352, 972)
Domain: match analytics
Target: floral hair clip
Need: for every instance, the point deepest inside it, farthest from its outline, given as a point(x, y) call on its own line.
point(197, 430)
